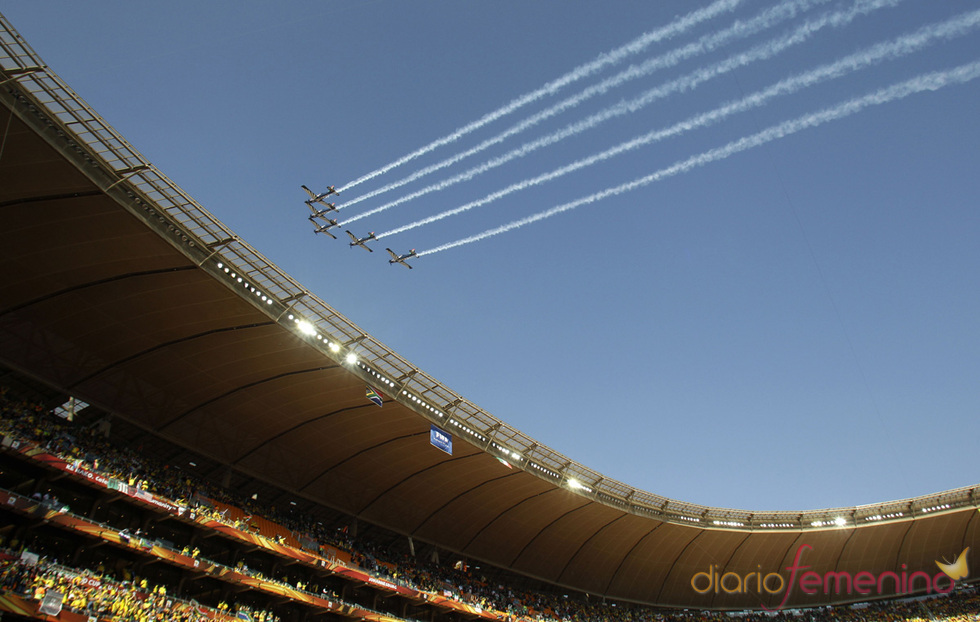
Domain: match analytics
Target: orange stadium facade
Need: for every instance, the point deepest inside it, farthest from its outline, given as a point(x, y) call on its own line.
point(140, 302)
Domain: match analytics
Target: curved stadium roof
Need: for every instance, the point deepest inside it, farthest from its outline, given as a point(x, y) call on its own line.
point(120, 289)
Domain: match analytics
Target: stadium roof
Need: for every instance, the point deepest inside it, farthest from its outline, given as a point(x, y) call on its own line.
point(121, 290)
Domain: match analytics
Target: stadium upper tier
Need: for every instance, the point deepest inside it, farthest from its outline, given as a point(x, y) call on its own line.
point(119, 289)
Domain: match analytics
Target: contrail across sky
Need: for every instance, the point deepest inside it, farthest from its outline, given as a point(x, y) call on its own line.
point(768, 18)
point(609, 58)
point(907, 44)
point(685, 83)
point(926, 82)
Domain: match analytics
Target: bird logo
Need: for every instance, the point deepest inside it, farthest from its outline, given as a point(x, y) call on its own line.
point(958, 569)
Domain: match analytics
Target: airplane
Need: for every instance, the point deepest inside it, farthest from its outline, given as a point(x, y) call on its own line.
point(323, 228)
point(316, 213)
point(318, 198)
point(361, 242)
point(401, 258)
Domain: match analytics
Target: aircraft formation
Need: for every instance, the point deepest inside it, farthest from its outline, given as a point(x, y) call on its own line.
point(733, 42)
point(322, 224)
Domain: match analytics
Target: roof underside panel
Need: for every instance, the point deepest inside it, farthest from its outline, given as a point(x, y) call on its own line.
point(464, 516)
point(37, 170)
point(599, 557)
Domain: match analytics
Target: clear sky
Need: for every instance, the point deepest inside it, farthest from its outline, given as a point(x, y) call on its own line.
point(781, 314)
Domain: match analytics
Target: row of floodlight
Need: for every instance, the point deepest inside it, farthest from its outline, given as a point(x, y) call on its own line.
point(509, 454)
point(381, 377)
point(545, 470)
point(936, 508)
point(422, 403)
point(840, 521)
point(244, 283)
point(880, 517)
point(468, 430)
point(307, 328)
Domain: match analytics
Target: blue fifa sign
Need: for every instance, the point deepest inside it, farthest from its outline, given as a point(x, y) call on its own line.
point(441, 439)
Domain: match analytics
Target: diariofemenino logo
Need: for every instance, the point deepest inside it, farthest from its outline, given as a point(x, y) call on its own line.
point(809, 582)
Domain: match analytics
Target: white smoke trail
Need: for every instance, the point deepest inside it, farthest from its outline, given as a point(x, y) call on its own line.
point(612, 57)
point(685, 83)
point(902, 46)
point(740, 29)
point(926, 82)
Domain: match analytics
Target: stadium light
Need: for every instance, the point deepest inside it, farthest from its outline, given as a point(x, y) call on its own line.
point(351, 358)
point(574, 484)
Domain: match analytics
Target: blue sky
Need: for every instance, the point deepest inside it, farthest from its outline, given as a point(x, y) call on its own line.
point(790, 326)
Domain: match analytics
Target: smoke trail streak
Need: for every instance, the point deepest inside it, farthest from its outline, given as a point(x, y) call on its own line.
point(926, 82)
point(612, 57)
point(740, 29)
point(685, 83)
point(902, 46)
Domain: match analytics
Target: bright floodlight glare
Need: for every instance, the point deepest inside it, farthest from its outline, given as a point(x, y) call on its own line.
point(305, 327)
point(334, 347)
point(351, 358)
point(839, 521)
point(573, 483)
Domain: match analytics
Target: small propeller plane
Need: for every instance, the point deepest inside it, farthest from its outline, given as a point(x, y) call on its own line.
point(316, 213)
point(318, 198)
point(401, 258)
point(323, 228)
point(361, 242)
